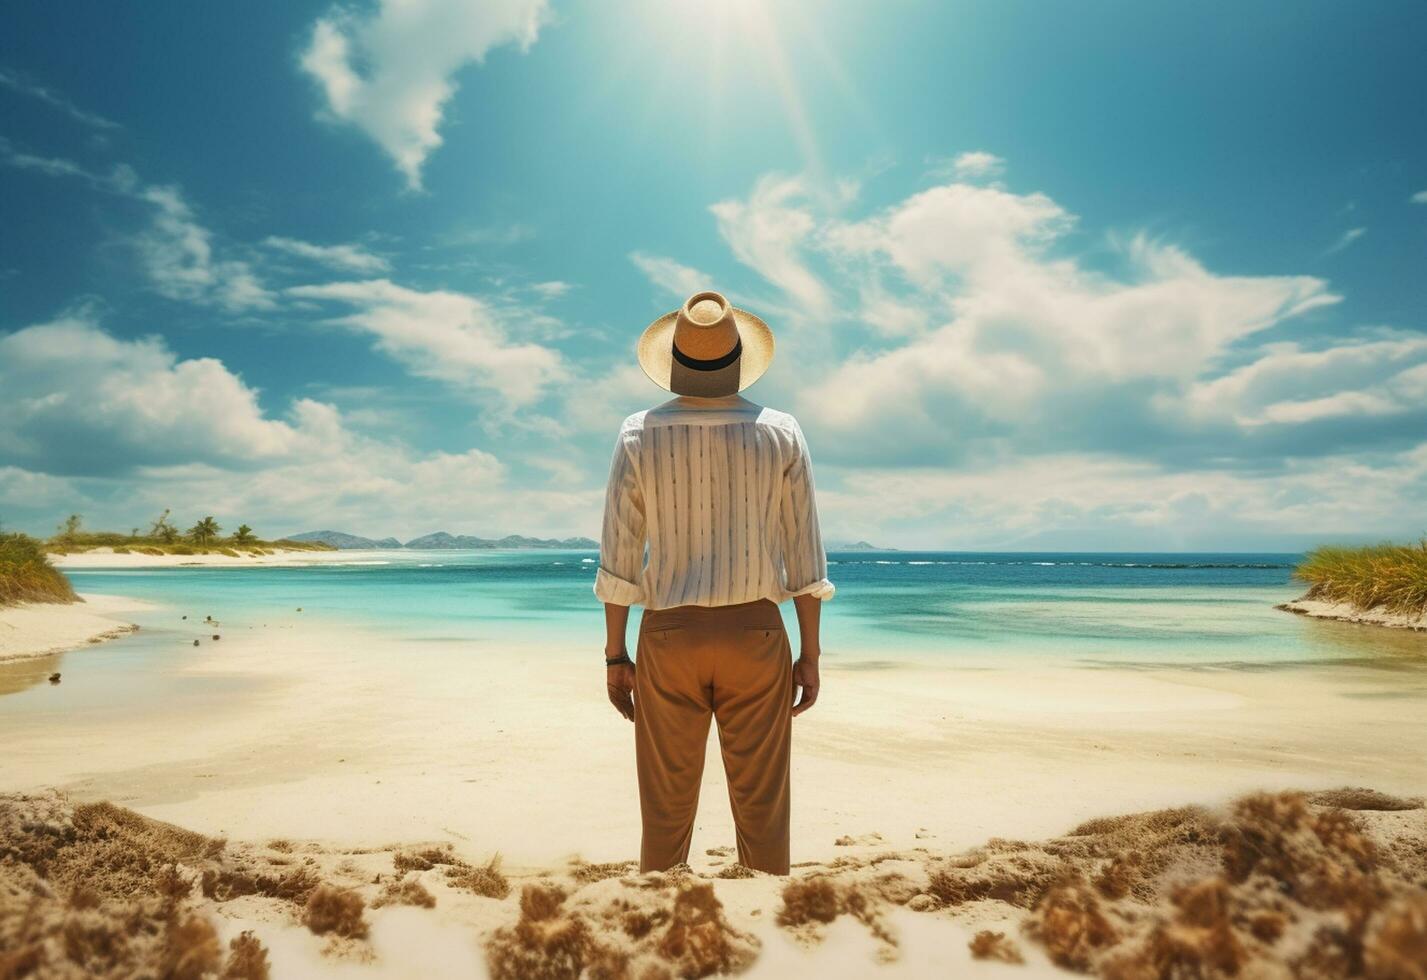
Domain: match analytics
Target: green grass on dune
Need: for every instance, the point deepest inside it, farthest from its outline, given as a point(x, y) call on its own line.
point(26, 574)
point(69, 544)
point(1392, 577)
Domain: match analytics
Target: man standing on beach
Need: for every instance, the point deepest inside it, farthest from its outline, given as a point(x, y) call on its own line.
point(721, 490)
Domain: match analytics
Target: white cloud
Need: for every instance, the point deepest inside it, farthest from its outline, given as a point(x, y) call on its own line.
point(80, 399)
point(970, 165)
point(673, 277)
point(347, 257)
point(1288, 383)
point(54, 100)
point(1419, 198)
point(390, 72)
point(177, 253)
point(769, 233)
point(992, 339)
point(119, 429)
point(1074, 501)
point(551, 289)
point(451, 337)
point(1345, 239)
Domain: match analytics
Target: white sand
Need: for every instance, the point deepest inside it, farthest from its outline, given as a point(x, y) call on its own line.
point(41, 628)
point(515, 749)
point(337, 736)
point(1348, 613)
point(106, 558)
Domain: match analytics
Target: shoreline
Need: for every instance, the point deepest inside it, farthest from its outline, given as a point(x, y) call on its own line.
point(108, 558)
point(1344, 612)
point(41, 629)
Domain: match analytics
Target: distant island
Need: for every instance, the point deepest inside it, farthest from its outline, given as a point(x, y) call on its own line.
point(444, 541)
point(164, 537)
point(441, 541)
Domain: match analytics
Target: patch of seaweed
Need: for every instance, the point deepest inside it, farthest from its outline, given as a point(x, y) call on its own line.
point(674, 930)
point(586, 873)
point(819, 899)
point(988, 945)
point(337, 911)
point(406, 891)
point(1359, 798)
point(1277, 886)
point(482, 879)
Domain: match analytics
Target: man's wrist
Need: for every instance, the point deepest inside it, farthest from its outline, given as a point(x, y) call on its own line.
point(810, 653)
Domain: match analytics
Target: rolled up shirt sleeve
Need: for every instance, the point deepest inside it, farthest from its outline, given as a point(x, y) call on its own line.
point(621, 568)
point(804, 560)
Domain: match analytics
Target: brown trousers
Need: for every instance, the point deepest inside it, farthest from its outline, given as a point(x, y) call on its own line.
point(732, 663)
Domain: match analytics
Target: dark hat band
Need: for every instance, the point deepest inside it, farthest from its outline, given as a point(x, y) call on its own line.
point(711, 364)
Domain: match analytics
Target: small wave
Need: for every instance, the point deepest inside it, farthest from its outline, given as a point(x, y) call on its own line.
point(588, 561)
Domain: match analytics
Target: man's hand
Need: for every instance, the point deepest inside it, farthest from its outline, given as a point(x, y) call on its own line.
point(619, 679)
point(805, 675)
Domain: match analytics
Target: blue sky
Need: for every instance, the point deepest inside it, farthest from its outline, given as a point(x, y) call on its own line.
point(1093, 276)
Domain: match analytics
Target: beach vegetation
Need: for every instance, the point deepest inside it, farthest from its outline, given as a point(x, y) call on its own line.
point(407, 891)
point(1390, 577)
point(481, 879)
point(205, 530)
point(163, 538)
point(26, 574)
point(70, 527)
point(335, 910)
point(163, 529)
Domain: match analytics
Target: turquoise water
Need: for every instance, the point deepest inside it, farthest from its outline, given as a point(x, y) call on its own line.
point(1143, 609)
point(441, 609)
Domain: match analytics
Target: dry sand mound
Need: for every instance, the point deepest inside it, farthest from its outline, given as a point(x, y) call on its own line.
point(1332, 885)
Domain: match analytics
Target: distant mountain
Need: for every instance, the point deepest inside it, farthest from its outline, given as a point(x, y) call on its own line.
point(855, 546)
point(440, 540)
point(340, 539)
point(443, 541)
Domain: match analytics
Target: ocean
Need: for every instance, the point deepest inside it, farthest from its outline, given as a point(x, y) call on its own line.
point(446, 610)
point(1146, 610)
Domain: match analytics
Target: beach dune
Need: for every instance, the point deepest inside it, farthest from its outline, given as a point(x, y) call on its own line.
point(1328, 885)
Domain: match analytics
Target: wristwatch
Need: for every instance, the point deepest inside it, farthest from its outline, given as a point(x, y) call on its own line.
point(623, 658)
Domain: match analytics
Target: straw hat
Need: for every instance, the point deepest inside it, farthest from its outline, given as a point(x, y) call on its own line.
point(705, 348)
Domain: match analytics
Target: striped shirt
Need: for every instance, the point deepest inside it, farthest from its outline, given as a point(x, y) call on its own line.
point(721, 491)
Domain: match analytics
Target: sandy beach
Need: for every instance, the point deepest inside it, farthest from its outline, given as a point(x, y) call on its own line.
point(108, 558)
point(1345, 612)
point(42, 629)
point(316, 734)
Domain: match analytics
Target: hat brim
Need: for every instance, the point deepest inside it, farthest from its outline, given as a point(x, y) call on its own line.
point(655, 350)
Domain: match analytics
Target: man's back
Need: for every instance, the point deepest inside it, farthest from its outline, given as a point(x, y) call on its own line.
point(721, 489)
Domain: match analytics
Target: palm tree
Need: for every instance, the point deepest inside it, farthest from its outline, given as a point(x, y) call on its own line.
point(163, 528)
point(243, 535)
point(204, 531)
point(70, 527)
